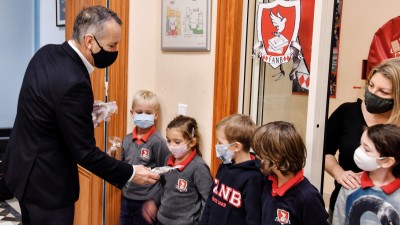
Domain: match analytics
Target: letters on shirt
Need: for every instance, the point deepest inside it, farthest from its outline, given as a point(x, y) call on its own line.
point(227, 193)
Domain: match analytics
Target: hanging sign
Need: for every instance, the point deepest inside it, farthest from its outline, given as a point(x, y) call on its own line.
point(278, 25)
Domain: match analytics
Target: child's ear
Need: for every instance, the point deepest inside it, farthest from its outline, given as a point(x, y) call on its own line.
point(156, 115)
point(237, 146)
point(192, 142)
point(388, 162)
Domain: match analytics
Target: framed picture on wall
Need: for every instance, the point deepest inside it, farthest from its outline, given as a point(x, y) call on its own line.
point(185, 25)
point(60, 13)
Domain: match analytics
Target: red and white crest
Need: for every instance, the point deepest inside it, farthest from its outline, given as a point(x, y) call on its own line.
point(182, 185)
point(282, 216)
point(278, 26)
point(145, 153)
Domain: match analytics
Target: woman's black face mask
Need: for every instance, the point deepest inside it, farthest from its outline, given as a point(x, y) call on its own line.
point(376, 104)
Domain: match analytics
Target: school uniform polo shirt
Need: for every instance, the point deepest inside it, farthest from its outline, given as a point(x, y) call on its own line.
point(185, 191)
point(144, 137)
point(297, 202)
point(150, 150)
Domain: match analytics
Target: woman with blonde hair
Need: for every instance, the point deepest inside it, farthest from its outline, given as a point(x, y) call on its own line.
point(345, 126)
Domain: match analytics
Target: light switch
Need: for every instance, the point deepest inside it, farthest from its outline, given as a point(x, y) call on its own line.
point(182, 109)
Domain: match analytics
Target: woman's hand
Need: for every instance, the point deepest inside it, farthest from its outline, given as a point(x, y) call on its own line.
point(349, 180)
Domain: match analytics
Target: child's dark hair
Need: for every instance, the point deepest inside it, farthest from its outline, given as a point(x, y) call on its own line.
point(189, 129)
point(238, 127)
point(386, 138)
point(281, 145)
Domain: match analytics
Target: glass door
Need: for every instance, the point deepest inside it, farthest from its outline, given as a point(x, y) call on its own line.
point(282, 78)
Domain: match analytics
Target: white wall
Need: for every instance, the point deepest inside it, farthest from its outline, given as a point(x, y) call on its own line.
point(23, 30)
point(360, 21)
point(176, 77)
point(49, 33)
point(17, 47)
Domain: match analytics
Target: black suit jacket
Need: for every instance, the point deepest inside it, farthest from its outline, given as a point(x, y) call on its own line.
point(53, 132)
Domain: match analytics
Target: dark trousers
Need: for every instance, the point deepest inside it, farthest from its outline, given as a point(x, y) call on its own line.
point(35, 215)
point(131, 212)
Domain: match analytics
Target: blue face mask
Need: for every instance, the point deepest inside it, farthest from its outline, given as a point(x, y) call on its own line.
point(143, 120)
point(224, 154)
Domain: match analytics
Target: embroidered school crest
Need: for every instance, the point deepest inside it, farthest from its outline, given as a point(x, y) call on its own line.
point(282, 216)
point(145, 153)
point(182, 185)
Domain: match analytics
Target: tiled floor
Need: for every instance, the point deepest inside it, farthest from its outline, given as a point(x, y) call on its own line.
point(10, 213)
point(14, 203)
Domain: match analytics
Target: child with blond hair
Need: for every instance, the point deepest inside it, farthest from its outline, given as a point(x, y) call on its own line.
point(143, 146)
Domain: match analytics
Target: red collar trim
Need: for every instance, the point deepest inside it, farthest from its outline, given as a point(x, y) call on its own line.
point(366, 182)
point(145, 137)
point(280, 191)
point(184, 163)
point(252, 157)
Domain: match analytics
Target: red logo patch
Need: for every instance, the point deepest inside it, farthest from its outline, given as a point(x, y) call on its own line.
point(182, 185)
point(145, 153)
point(282, 216)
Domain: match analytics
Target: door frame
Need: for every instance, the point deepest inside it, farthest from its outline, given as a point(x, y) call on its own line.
point(227, 66)
point(318, 93)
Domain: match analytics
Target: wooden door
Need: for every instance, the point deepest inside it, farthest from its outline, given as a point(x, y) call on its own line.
point(89, 207)
point(227, 65)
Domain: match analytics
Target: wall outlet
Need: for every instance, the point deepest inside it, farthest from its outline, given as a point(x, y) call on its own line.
point(182, 109)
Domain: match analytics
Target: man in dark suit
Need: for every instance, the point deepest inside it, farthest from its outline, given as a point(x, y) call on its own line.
point(53, 129)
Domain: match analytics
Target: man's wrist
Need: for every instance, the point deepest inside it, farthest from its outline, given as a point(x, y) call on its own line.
point(133, 174)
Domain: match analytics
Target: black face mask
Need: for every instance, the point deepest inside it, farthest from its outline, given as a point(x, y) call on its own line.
point(376, 104)
point(103, 58)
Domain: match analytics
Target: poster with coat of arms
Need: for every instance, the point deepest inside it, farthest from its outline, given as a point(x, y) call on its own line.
point(284, 33)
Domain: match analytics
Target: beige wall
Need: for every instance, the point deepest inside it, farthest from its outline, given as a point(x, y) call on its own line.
point(360, 21)
point(176, 77)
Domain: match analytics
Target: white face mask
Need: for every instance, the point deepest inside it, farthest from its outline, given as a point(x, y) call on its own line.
point(224, 154)
point(364, 161)
point(179, 151)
